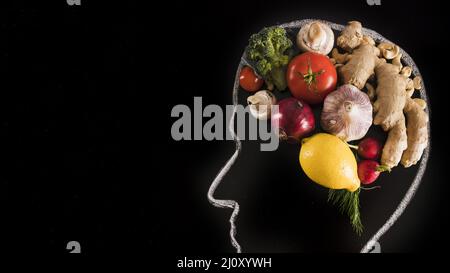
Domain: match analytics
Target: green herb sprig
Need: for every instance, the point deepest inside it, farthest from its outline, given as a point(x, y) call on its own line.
point(348, 203)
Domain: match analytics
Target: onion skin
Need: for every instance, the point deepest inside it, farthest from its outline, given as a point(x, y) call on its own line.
point(347, 113)
point(295, 120)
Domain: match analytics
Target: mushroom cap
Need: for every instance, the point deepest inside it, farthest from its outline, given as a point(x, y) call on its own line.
point(260, 104)
point(316, 37)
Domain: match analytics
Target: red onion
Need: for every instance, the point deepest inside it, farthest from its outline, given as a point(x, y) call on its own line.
point(295, 119)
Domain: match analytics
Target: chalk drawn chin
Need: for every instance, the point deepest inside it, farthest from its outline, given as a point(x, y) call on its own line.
point(232, 204)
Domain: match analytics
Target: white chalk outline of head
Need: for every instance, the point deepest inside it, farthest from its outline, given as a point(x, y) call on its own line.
point(233, 204)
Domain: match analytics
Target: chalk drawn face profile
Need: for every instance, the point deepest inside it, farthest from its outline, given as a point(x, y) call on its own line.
point(405, 200)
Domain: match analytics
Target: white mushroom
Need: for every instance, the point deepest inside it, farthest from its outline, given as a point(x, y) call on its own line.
point(316, 37)
point(260, 104)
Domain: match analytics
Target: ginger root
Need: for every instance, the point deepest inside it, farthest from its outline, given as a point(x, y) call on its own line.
point(395, 145)
point(391, 95)
point(407, 137)
point(351, 36)
point(360, 64)
point(417, 131)
point(395, 111)
point(404, 144)
point(388, 50)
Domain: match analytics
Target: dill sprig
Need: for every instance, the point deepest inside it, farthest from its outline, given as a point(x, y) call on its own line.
point(348, 203)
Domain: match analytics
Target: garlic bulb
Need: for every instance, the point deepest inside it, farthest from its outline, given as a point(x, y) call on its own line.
point(347, 113)
point(316, 37)
point(261, 104)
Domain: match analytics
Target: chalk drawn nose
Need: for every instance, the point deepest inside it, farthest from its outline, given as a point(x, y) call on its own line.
point(374, 247)
point(74, 246)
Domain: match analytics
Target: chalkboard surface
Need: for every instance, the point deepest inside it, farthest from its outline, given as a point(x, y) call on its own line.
point(89, 164)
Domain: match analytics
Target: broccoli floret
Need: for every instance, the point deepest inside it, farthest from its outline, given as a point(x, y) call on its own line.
point(269, 50)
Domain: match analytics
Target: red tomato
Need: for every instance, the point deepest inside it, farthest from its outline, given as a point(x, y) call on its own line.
point(249, 81)
point(311, 77)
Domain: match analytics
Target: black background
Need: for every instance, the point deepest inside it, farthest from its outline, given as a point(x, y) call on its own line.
point(87, 155)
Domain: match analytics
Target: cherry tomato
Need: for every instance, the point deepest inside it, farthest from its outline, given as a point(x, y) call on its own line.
point(311, 77)
point(249, 81)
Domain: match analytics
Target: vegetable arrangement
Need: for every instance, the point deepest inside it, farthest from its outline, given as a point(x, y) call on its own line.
point(357, 85)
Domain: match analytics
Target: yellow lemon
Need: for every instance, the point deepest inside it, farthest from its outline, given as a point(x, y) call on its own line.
point(329, 162)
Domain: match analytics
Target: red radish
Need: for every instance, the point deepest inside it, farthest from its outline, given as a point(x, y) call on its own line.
point(369, 170)
point(295, 119)
point(369, 148)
